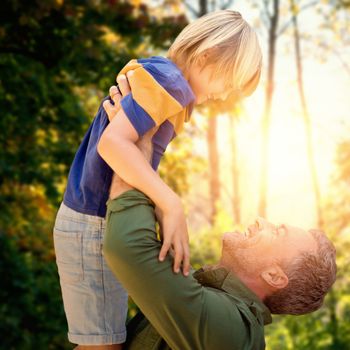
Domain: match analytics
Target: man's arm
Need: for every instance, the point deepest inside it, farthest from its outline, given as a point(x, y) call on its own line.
point(187, 315)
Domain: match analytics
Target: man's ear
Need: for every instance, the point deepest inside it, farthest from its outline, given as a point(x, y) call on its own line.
point(275, 277)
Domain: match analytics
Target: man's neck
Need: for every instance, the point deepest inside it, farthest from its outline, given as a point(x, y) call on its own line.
point(255, 284)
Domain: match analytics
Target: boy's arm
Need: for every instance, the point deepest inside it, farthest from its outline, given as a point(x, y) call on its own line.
point(117, 147)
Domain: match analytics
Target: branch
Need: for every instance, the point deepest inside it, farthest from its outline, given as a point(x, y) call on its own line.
point(212, 5)
point(265, 18)
point(192, 9)
point(344, 63)
point(337, 54)
point(287, 24)
point(227, 5)
point(266, 9)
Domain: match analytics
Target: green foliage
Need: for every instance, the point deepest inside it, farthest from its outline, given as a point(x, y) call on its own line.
point(206, 244)
point(39, 112)
point(47, 49)
point(179, 160)
point(31, 306)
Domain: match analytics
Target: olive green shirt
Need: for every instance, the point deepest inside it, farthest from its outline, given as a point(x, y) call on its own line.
point(211, 309)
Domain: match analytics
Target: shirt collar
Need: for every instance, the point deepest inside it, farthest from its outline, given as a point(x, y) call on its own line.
point(221, 278)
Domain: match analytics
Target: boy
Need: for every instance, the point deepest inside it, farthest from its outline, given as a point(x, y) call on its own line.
point(214, 56)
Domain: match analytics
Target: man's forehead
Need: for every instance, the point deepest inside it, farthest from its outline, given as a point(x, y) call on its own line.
point(263, 221)
point(290, 230)
point(296, 230)
point(304, 237)
point(287, 227)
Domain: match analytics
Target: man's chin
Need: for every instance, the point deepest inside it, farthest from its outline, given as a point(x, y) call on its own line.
point(233, 236)
point(232, 240)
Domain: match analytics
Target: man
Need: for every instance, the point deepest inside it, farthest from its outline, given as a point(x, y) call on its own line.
point(269, 269)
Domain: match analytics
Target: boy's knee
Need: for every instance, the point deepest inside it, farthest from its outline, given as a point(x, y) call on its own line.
point(99, 347)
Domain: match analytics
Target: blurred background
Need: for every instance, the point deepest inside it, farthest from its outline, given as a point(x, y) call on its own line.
point(283, 153)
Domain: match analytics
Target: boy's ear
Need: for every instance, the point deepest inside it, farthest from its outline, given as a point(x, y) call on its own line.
point(201, 60)
point(205, 56)
point(209, 54)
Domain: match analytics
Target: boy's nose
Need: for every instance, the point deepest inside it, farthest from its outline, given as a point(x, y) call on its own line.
point(224, 96)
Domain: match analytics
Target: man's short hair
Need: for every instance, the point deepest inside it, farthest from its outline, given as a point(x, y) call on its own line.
point(310, 276)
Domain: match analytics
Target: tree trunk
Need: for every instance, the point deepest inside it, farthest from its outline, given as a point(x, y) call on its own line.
point(336, 344)
point(214, 173)
point(203, 7)
point(236, 198)
point(267, 110)
point(306, 116)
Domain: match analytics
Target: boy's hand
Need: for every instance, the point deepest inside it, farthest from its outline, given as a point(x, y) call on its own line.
point(117, 93)
point(175, 235)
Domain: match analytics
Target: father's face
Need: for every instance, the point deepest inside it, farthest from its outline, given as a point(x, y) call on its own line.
point(263, 245)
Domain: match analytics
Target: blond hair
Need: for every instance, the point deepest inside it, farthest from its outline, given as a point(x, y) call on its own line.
point(231, 44)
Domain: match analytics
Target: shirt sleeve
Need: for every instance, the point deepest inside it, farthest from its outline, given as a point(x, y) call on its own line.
point(186, 314)
point(158, 91)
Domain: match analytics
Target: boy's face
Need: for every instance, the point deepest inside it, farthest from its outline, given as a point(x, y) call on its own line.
point(205, 85)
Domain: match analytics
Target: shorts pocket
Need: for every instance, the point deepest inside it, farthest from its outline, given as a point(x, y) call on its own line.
point(69, 255)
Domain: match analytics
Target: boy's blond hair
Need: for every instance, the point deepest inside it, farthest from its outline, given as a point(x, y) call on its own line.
point(232, 47)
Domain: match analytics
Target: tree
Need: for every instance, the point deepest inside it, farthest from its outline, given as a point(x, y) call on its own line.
point(205, 6)
point(236, 198)
point(306, 115)
point(47, 51)
point(272, 22)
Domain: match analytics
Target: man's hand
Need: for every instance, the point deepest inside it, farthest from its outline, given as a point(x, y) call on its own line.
point(117, 93)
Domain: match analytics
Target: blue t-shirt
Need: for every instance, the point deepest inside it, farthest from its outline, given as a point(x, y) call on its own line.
point(160, 96)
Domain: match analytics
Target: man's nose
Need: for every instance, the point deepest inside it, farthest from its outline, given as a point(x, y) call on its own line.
point(263, 223)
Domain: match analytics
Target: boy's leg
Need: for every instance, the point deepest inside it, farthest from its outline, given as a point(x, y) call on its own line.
point(95, 303)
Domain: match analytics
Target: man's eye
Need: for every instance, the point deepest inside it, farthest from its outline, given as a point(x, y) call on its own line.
point(282, 229)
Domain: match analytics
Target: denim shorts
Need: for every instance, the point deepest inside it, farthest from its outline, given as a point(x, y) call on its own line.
point(94, 301)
